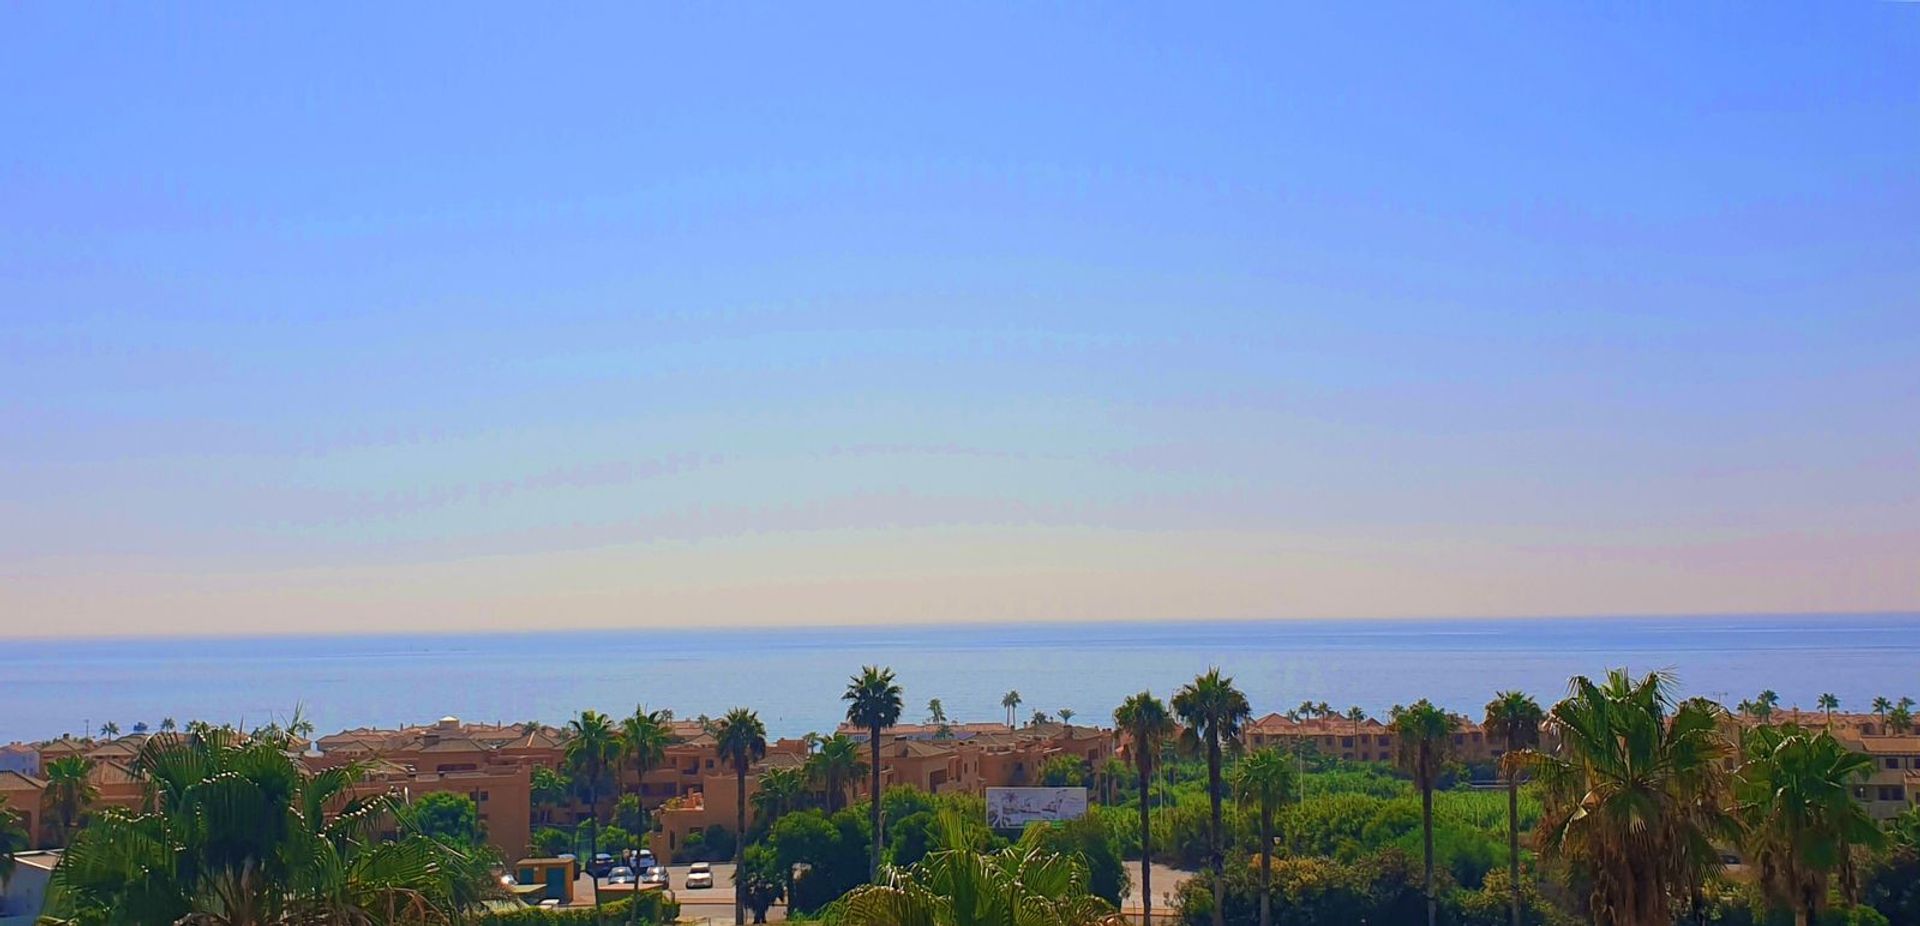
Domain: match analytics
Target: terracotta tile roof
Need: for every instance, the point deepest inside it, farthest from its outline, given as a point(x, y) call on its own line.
point(1889, 745)
point(17, 782)
point(109, 772)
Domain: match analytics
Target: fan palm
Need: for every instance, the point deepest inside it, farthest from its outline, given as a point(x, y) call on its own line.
point(1264, 779)
point(1144, 720)
point(1794, 797)
point(1881, 706)
point(1423, 736)
point(1632, 794)
point(1021, 885)
point(1010, 701)
point(873, 704)
point(69, 793)
point(1513, 720)
point(741, 740)
point(834, 765)
point(1829, 703)
point(644, 738)
point(236, 833)
point(592, 751)
point(1900, 719)
point(780, 791)
point(1214, 712)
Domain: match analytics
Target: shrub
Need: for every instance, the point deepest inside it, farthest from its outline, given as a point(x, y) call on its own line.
point(654, 907)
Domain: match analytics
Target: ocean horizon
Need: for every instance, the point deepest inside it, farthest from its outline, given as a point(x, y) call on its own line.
point(793, 677)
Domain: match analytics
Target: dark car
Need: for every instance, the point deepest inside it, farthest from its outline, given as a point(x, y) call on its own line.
point(600, 864)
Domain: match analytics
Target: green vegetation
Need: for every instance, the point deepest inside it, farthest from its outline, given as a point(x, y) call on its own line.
point(873, 704)
point(448, 817)
point(650, 907)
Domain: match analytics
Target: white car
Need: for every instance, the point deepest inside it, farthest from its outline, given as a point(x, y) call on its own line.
point(621, 874)
point(654, 875)
point(699, 875)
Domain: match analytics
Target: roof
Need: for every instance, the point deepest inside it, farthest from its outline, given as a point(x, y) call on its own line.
point(1890, 745)
point(109, 772)
point(16, 781)
point(920, 750)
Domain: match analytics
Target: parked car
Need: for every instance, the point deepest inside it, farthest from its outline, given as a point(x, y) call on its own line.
point(699, 875)
point(655, 875)
point(644, 860)
point(600, 864)
point(621, 874)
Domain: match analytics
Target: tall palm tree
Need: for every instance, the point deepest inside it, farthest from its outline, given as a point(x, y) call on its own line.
point(1632, 794)
point(1356, 715)
point(780, 792)
point(1794, 796)
point(109, 729)
point(1144, 720)
point(14, 839)
point(69, 793)
point(591, 754)
point(873, 704)
point(1513, 720)
point(167, 725)
point(1881, 706)
point(741, 740)
point(644, 738)
point(1010, 701)
point(835, 765)
point(1423, 736)
point(1900, 719)
point(1829, 703)
point(936, 712)
point(1214, 712)
point(547, 790)
point(1264, 779)
point(235, 832)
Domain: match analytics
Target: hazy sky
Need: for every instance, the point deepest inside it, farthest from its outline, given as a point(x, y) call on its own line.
point(441, 317)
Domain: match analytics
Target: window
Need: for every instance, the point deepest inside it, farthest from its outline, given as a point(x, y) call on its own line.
point(1893, 762)
point(1346, 742)
point(1892, 793)
point(483, 797)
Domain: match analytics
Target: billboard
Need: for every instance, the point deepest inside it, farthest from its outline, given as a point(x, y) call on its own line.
point(1013, 808)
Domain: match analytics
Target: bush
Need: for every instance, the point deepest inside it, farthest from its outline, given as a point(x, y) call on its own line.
point(834, 847)
point(549, 842)
point(1383, 888)
point(713, 844)
point(654, 907)
point(1086, 838)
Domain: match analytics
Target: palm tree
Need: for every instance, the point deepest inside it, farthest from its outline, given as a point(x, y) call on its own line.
point(68, 794)
point(1038, 718)
point(1423, 735)
point(1794, 795)
point(1762, 706)
point(592, 751)
point(167, 725)
point(958, 885)
point(547, 789)
point(936, 712)
point(1010, 701)
point(781, 791)
point(1900, 719)
point(1513, 720)
point(1829, 703)
point(1881, 706)
point(740, 739)
point(1264, 779)
point(644, 738)
point(1213, 711)
point(14, 839)
point(833, 766)
point(873, 703)
point(1066, 716)
point(1632, 794)
point(1356, 715)
point(109, 730)
point(235, 832)
point(1145, 722)
point(1905, 702)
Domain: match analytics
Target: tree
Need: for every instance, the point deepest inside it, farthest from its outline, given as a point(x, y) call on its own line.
point(834, 766)
point(873, 704)
point(238, 833)
point(1356, 715)
point(1794, 797)
point(548, 789)
point(1010, 701)
point(1066, 715)
point(1881, 706)
point(1144, 721)
point(1632, 794)
point(1264, 779)
point(781, 791)
point(1829, 703)
point(741, 740)
point(958, 885)
point(69, 793)
point(14, 839)
point(1423, 736)
point(936, 712)
point(1513, 720)
point(109, 729)
point(1038, 718)
point(1213, 711)
point(447, 816)
point(167, 725)
point(644, 738)
point(1900, 719)
point(760, 880)
point(593, 748)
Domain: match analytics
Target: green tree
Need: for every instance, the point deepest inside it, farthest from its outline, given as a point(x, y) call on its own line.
point(1881, 706)
point(1084, 838)
point(1829, 703)
point(1423, 737)
point(873, 704)
point(547, 789)
point(760, 880)
point(238, 833)
point(936, 712)
point(1794, 796)
point(1063, 772)
point(1010, 701)
point(1900, 719)
point(1066, 715)
point(1022, 885)
point(1632, 794)
point(832, 849)
point(109, 729)
point(834, 766)
point(644, 738)
point(741, 740)
point(592, 751)
point(781, 791)
point(444, 815)
point(550, 842)
point(14, 839)
point(1144, 721)
point(1265, 779)
point(1213, 711)
point(69, 793)
point(1513, 720)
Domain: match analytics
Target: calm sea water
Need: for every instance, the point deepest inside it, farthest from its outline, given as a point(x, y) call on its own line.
point(794, 677)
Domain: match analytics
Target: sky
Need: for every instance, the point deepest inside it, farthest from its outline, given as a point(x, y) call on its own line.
point(421, 319)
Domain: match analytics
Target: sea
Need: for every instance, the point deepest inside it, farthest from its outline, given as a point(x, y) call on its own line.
point(793, 676)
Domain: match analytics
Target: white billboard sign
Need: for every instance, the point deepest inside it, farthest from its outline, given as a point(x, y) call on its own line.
point(1014, 808)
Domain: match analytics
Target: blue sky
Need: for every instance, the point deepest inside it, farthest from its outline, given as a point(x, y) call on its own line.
point(410, 321)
